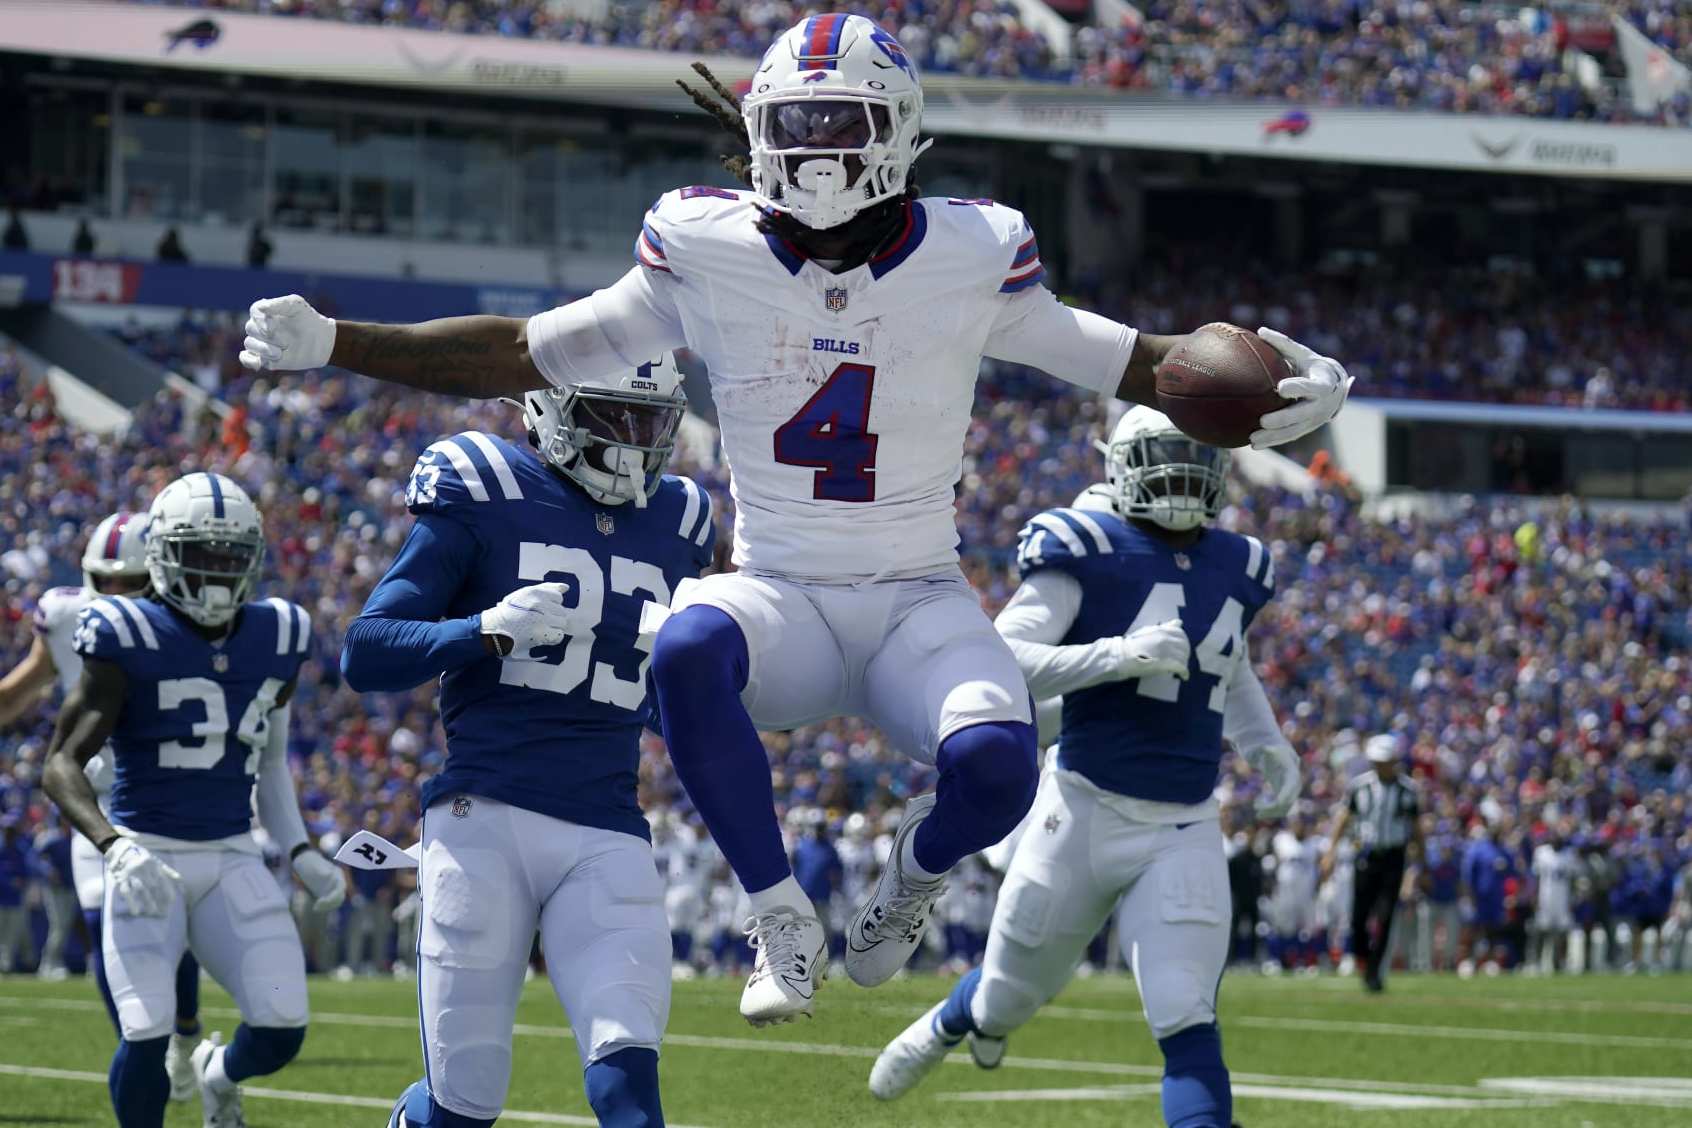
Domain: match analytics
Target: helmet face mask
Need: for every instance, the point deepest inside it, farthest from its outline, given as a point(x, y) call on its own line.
point(612, 441)
point(205, 547)
point(833, 118)
point(1160, 475)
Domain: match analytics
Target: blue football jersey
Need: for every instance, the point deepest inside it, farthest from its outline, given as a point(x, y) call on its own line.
point(1160, 737)
point(558, 733)
point(196, 716)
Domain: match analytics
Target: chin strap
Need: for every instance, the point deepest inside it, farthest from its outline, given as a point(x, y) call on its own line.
point(628, 466)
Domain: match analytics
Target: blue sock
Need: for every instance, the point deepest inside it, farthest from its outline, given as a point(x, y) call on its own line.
point(699, 667)
point(139, 1085)
point(988, 775)
point(259, 1050)
point(623, 1089)
point(421, 1111)
point(1196, 1093)
point(188, 996)
point(955, 1017)
point(97, 962)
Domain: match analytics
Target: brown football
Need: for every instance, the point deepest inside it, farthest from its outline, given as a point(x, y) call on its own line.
point(1219, 382)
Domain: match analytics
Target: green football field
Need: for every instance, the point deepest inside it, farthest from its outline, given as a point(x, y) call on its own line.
point(1305, 1053)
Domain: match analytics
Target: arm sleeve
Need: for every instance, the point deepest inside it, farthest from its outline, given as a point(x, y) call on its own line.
point(278, 803)
point(622, 326)
point(1087, 350)
point(1248, 720)
point(1041, 612)
point(400, 639)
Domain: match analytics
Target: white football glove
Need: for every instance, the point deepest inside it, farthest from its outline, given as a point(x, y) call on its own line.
point(141, 883)
point(529, 617)
point(322, 879)
point(1318, 387)
point(1161, 648)
point(287, 335)
point(1278, 765)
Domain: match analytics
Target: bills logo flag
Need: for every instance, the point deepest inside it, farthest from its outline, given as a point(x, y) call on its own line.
point(835, 298)
point(604, 523)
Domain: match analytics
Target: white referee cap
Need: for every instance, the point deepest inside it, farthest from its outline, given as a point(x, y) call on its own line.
point(1382, 749)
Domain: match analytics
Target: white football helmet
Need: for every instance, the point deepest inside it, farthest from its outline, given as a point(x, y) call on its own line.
point(1158, 473)
point(612, 437)
point(205, 545)
point(1100, 497)
point(116, 556)
point(833, 117)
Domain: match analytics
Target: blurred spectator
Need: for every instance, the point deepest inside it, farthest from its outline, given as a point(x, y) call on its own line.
point(258, 248)
point(82, 243)
point(15, 237)
point(58, 894)
point(17, 866)
point(170, 247)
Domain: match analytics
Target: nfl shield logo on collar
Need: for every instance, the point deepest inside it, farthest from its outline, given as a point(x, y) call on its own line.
point(220, 663)
point(604, 523)
point(1183, 562)
point(835, 298)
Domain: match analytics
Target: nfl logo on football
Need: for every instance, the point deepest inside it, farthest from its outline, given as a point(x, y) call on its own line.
point(603, 522)
point(835, 298)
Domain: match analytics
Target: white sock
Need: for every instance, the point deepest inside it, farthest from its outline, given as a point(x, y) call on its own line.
point(784, 894)
point(910, 867)
point(216, 1079)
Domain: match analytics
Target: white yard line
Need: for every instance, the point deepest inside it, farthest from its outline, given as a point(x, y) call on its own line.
point(1472, 1033)
point(1363, 1102)
point(255, 1092)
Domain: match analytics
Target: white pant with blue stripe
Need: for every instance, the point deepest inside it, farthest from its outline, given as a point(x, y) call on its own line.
point(491, 875)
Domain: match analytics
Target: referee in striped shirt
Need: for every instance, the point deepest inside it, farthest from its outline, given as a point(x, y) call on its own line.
point(1382, 807)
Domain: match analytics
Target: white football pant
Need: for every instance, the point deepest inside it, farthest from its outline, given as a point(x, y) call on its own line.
point(88, 871)
point(1082, 856)
point(230, 914)
point(917, 658)
point(490, 875)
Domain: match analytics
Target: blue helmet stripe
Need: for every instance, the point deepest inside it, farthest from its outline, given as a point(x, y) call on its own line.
point(217, 495)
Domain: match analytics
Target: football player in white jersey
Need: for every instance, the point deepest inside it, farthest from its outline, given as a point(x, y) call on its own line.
point(843, 320)
point(1126, 823)
point(114, 562)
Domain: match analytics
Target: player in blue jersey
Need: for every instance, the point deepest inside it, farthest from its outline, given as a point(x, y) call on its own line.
point(521, 587)
point(1137, 619)
point(190, 683)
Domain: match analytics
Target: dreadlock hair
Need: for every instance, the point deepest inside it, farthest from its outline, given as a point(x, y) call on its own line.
point(862, 235)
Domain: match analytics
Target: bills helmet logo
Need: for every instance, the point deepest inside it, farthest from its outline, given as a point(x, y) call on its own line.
point(835, 298)
point(890, 47)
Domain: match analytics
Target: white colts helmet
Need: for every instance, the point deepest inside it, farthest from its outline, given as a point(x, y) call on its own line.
point(612, 437)
point(833, 116)
point(116, 550)
point(1162, 475)
point(205, 544)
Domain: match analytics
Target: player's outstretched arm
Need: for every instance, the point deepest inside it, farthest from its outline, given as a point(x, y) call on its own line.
point(85, 723)
point(479, 357)
point(24, 684)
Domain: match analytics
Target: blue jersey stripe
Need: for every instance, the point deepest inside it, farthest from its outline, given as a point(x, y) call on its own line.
point(786, 254)
point(1023, 281)
point(916, 228)
point(484, 468)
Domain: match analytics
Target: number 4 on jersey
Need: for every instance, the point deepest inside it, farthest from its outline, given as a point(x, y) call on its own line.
point(831, 434)
point(1217, 651)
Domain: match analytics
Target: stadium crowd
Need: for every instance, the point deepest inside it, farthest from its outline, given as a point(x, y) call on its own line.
point(1534, 661)
point(1449, 55)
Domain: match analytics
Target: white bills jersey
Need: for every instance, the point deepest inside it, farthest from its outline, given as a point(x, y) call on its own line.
point(55, 622)
point(842, 398)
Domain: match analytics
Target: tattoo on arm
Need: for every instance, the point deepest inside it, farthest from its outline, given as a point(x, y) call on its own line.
point(478, 357)
point(89, 715)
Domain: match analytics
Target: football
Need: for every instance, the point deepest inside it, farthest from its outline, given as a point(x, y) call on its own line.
point(1219, 382)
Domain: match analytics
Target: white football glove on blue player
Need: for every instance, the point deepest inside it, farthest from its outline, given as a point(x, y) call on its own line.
point(1161, 648)
point(322, 879)
point(140, 882)
point(1278, 765)
point(1318, 388)
point(286, 335)
point(529, 617)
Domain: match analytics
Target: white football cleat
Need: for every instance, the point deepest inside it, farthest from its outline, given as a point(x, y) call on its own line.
point(907, 1059)
point(792, 959)
point(221, 1107)
point(888, 929)
point(987, 1052)
point(179, 1068)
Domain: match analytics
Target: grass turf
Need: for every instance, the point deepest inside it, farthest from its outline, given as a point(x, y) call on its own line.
point(1305, 1053)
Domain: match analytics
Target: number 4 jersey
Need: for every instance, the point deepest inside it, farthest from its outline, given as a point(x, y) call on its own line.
point(196, 715)
point(555, 730)
point(843, 398)
point(1156, 738)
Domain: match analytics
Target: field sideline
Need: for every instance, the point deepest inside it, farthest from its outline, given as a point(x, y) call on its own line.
point(1600, 1052)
